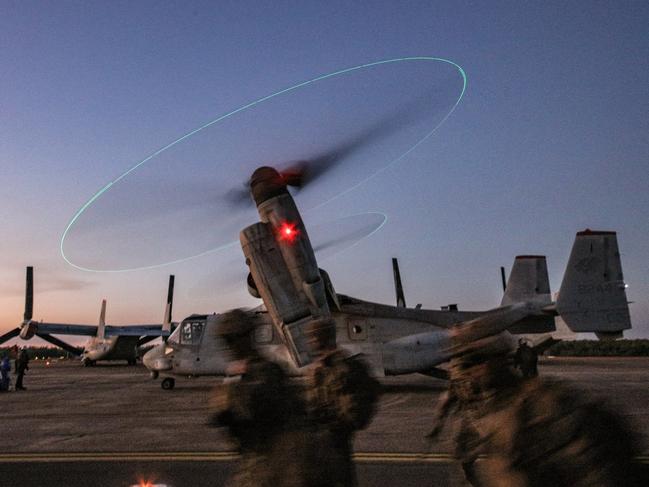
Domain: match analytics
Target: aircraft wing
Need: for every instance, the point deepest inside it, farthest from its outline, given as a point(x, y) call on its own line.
point(494, 321)
point(424, 351)
point(63, 329)
point(136, 330)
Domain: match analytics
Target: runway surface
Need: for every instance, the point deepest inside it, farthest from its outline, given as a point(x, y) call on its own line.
point(112, 425)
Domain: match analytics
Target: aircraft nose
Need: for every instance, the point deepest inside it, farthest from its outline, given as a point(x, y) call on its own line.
point(154, 359)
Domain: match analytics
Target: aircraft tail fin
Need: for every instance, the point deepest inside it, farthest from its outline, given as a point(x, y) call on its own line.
point(592, 297)
point(101, 328)
point(528, 281)
point(398, 287)
point(166, 323)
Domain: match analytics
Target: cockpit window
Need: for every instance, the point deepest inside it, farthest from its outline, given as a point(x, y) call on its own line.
point(175, 336)
point(189, 333)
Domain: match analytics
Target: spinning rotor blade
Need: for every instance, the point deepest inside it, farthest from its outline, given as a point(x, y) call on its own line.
point(299, 174)
point(330, 238)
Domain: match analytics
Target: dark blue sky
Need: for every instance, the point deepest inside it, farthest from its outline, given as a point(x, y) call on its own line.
point(550, 138)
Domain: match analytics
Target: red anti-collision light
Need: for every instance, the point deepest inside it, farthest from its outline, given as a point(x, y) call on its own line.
point(288, 232)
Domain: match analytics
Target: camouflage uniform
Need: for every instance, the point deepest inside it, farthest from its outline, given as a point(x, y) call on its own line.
point(262, 411)
point(341, 399)
point(542, 433)
point(536, 433)
point(467, 439)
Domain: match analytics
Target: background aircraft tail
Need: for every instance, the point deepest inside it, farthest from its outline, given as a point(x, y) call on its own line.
point(592, 297)
point(528, 281)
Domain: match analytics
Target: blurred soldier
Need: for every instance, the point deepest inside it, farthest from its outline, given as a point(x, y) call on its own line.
point(465, 399)
point(526, 359)
point(341, 399)
point(537, 433)
point(260, 409)
point(22, 365)
point(5, 368)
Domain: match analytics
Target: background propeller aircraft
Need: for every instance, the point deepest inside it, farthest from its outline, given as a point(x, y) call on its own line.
point(107, 342)
point(394, 339)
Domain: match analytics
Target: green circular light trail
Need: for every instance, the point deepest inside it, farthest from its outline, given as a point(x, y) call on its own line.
point(103, 190)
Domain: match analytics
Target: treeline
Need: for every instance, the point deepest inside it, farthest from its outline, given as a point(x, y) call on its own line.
point(597, 348)
point(39, 352)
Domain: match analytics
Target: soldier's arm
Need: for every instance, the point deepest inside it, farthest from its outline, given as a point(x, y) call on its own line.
point(445, 405)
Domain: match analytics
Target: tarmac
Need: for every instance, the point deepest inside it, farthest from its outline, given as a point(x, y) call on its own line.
point(112, 425)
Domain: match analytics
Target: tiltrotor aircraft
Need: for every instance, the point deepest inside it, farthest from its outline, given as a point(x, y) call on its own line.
point(107, 342)
point(283, 272)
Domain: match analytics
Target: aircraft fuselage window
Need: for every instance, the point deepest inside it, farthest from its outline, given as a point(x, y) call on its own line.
point(357, 329)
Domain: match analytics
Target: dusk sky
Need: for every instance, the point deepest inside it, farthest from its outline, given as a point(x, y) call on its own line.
point(550, 137)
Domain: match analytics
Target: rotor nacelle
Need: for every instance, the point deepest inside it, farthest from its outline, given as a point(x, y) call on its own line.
point(282, 263)
point(28, 330)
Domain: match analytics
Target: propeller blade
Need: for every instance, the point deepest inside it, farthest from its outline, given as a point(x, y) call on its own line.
point(29, 295)
point(238, 197)
point(302, 172)
point(166, 322)
point(10, 334)
point(76, 351)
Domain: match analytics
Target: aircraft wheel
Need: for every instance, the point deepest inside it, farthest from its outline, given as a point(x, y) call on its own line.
point(88, 362)
point(132, 361)
point(154, 374)
point(168, 383)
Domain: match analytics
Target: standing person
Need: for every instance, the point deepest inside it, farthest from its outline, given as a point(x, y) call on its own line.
point(22, 365)
point(262, 412)
point(341, 399)
point(526, 359)
point(5, 368)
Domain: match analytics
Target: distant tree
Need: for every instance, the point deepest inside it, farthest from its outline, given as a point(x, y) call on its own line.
point(40, 352)
point(595, 348)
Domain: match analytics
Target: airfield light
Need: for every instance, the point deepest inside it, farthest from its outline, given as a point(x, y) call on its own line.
point(147, 483)
point(288, 232)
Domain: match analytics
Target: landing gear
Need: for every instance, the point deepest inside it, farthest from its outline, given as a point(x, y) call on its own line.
point(154, 374)
point(132, 361)
point(86, 362)
point(168, 383)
